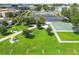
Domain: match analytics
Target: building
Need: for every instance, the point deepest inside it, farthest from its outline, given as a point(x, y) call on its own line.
point(3, 11)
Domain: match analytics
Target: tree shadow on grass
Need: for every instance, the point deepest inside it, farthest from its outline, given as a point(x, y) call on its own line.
point(50, 34)
point(76, 30)
point(40, 28)
point(76, 33)
point(66, 21)
point(30, 37)
point(6, 33)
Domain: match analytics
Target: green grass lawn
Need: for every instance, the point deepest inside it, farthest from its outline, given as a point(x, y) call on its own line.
point(40, 44)
point(17, 27)
point(1, 36)
point(73, 36)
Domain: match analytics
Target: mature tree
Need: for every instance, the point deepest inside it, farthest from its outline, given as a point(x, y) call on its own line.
point(65, 12)
point(28, 33)
point(75, 20)
point(14, 20)
point(45, 7)
point(4, 23)
point(73, 9)
point(40, 21)
point(52, 8)
point(29, 13)
point(9, 14)
point(29, 21)
point(26, 21)
point(2, 28)
point(38, 24)
point(74, 14)
point(32, 20)
point(49, 30)
point(15, 6)
point(18, 19)
point(38, 7)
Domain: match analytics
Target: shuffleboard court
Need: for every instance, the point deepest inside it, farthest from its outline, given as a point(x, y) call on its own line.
point(62, 26)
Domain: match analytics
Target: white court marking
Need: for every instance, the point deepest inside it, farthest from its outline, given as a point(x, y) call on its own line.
point(74, 51)
point(43, 51)
point(58, 37)
point(11, 51)
point(58, 51)
point(27, 51)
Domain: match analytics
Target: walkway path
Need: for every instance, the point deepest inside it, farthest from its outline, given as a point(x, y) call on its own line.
point(7, 37)
point(32, 27)
point(14, 34)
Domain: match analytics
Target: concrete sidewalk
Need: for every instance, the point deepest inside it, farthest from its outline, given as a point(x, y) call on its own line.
point(7, 37)
point(32, 27)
